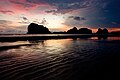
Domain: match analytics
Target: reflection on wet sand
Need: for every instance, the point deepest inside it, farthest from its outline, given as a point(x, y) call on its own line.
point(62, 59)
point(102, 37)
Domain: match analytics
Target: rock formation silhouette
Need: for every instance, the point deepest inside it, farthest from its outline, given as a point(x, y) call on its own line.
point(84, 31)
point(80, 31)
point(99, 31)
point(34, 28)
point(104, 31)
point(73, 31)
point(37, 29)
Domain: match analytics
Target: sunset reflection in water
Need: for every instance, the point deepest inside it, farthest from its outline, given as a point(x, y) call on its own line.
point(60, 59)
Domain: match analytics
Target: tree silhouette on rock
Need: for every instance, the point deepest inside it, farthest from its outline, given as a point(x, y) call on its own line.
point(34, 28)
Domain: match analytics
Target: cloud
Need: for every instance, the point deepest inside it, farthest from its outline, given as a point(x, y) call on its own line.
point(20, 6)
point(114, 22)
point(6, 11)
point(24, 22)
point(65, 6)
point(24, 18)
point(14, 30)
point(44, 22)
point(58, 6)
point(22, 3)
point(77, 18)
point(74, 21)
point(50, 11)
point(37, 1)
point(5, 22)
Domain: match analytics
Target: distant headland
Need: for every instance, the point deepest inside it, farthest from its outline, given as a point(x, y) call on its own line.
point(34, 28)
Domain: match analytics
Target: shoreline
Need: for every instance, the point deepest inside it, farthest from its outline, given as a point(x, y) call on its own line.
point(5, 38)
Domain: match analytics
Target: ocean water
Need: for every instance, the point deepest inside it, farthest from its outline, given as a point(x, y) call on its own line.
point(61, 59)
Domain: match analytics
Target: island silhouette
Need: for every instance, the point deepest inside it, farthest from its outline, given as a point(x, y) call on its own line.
point(37, 29)
point(34, 28)
point(104, 31)
point(74, 33)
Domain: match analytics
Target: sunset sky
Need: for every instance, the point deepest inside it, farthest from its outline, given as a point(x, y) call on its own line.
point(59, 15)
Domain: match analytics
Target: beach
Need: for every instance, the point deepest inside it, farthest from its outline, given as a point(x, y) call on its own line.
point(61, 59)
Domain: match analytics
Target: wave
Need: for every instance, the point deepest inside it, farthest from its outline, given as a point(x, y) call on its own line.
point(13, 46)
point(70, 60)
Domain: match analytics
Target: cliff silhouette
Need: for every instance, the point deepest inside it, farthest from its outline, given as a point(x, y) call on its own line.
point(37, 29)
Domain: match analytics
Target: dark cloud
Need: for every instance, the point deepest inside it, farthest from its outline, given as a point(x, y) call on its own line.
point(6, 11)
point(50, 11)
point(65, 6)
point(68, 7)
point(77, 18)
point(24, 18)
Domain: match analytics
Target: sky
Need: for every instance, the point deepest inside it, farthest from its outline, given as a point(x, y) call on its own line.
point(59, 15)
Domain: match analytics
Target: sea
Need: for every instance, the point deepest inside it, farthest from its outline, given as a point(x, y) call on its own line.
point(91, 58)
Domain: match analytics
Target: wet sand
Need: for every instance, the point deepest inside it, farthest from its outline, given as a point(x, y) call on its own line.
point(62, 59)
